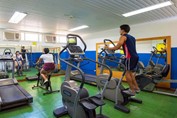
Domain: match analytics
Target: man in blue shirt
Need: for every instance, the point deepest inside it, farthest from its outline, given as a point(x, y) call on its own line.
point(128, 43)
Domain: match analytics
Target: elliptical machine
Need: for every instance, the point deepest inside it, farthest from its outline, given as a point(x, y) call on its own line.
point(8, 53)
point(76, 100)
point(148, 82)
point(115, 91)
point(152, 67)
point(6, 66)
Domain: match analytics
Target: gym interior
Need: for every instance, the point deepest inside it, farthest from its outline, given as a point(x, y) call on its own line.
point(73, 58)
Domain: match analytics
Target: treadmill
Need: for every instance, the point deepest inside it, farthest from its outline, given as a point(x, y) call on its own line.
point(11, 94)
point(89, 79)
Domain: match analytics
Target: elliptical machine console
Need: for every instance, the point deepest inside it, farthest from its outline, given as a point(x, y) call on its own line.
point(73, 49)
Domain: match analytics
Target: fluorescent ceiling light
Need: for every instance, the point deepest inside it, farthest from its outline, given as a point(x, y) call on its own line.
point(17, 17)
point(153, 7)
point(79, 28)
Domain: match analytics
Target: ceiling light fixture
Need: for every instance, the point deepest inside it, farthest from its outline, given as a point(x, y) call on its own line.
point(79, 28)
point(17, 17)
point(153, 7)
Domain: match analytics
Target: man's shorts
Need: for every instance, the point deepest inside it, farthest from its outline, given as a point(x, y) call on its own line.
point(131, 63)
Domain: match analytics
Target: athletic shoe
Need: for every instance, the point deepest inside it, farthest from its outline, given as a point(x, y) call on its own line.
point(46, 83)
point(138, 91)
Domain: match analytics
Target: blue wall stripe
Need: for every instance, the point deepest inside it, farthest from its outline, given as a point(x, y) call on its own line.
point(144, 57)
point(33, 57)
point(174, 66)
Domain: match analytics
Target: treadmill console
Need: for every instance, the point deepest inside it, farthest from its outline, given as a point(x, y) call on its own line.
point(5, 57)
point(73, 48)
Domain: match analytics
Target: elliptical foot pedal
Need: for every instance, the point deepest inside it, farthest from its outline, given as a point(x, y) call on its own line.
point(87, 104)
point(136, 100)
point(122, 108)
point(125, 93)
point(97, 101)
point(60, 112)
point(101, 116)
point(98, 96)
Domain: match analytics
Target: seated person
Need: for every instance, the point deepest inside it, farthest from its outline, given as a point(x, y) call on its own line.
point(48, 66)
point(18, 60)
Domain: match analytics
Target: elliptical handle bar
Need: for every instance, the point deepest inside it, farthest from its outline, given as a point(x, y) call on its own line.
point(70, 35)
point(108, 40)
point(8, 50)
point(64, 48)
point(155, 49)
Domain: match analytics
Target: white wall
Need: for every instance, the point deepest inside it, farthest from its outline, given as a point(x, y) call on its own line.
point(165, 27)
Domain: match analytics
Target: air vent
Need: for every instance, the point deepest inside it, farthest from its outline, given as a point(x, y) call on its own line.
point(50, 39)
point(12, 36)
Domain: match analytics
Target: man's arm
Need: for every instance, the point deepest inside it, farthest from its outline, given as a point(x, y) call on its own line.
point(119, 44)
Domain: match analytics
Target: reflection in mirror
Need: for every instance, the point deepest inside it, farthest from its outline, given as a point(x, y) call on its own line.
point(111, 59)
point(152, 53)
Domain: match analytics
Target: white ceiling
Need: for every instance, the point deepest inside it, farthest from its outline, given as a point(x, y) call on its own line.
point(57, 16)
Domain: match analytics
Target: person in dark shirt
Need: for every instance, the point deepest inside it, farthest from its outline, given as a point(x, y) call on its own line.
point(23, 52)
point(128, 43)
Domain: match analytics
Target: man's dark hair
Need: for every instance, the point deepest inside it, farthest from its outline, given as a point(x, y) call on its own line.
point(125, 27)
point(46, 50)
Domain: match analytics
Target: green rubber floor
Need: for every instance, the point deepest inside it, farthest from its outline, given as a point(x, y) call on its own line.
point(154, 105)
point(31, 72)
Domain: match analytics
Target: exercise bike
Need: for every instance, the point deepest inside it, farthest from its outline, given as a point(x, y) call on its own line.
point(19, 70)
point(115, 91)
point(26, 63)
point(40, 82)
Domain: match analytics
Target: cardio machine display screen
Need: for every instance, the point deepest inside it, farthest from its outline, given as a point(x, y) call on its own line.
point(72, 40)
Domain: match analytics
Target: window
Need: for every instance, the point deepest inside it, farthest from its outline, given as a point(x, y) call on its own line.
point(31, 37)
point(22, 36)
point(40, 37)
point(58, 39)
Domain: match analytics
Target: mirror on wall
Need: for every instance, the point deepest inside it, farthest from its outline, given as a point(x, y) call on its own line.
point(155, 51)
